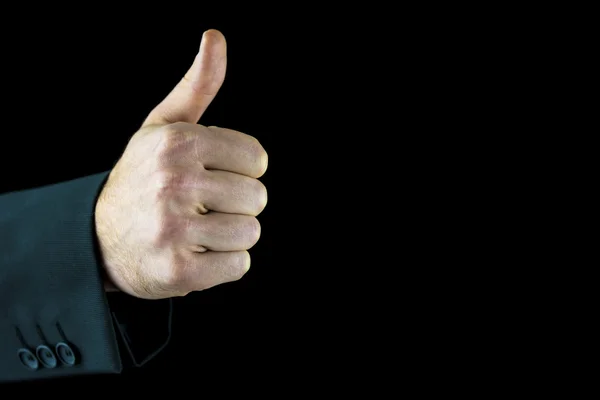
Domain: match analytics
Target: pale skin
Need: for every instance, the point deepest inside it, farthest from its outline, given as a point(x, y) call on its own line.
point(178, 211)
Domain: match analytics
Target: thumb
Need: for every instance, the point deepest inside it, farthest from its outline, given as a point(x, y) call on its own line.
point(192, 95)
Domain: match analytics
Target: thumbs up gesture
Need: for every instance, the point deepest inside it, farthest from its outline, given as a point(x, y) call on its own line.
point(178, 211)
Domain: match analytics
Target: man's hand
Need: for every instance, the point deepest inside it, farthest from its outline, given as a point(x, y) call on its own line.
point(177, 213)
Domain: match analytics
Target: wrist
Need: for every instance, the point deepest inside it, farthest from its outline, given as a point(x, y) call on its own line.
point(102, 250)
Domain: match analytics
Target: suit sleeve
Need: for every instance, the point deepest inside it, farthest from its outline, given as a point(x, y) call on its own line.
point(55, 318)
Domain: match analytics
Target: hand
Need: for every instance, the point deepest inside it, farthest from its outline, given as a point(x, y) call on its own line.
point(177, 213)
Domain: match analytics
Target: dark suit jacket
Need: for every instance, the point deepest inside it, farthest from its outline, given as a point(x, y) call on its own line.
point(55, 317)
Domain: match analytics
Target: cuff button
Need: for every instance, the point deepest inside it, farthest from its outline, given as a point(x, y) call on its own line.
point(46, 357)
point(65, 354)
point(28, 359)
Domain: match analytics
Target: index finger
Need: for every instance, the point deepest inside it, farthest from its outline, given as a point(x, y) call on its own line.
point(228, 150)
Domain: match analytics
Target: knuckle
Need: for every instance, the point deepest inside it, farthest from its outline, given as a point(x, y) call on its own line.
point(259, 155)
point(206, 181)
point(174, 129)
point(167, 181)
point(161, 235)
point(175, 139)
point(240, 265)
point(172, 135)
point(187, 224)
point(253, 229)
point(260, 194)
point(174, 276)
point(166, 279)
point(168, 229)
point(245, 262)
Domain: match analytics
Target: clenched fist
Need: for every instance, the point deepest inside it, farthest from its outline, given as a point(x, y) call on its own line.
point(177, 213)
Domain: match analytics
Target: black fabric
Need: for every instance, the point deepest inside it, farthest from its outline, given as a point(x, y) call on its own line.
point(51, 289)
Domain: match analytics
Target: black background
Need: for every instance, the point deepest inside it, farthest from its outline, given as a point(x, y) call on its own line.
point(393, 114)
point(320, 91)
